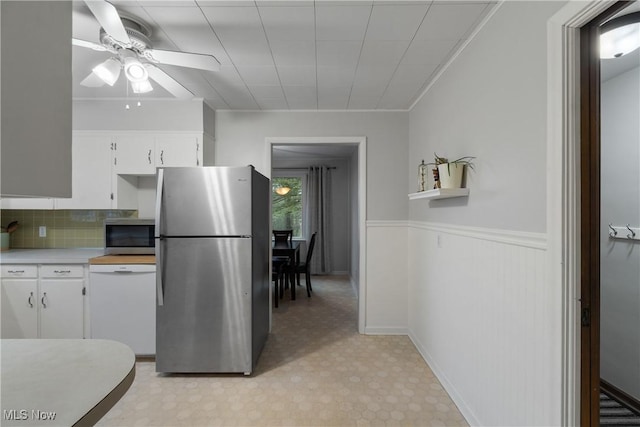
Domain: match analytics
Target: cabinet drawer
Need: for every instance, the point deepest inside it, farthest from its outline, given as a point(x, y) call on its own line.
point(61, 271)
point(19, 271)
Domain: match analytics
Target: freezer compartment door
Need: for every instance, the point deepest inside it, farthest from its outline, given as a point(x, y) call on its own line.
point(204, 324)
point(204, 201)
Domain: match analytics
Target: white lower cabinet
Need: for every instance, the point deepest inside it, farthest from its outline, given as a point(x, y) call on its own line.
point(19, 301)
point(61, 301)
point(91, 178)
point(43, 301)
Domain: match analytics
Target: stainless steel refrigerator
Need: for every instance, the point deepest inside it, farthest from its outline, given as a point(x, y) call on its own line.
point(212, 256)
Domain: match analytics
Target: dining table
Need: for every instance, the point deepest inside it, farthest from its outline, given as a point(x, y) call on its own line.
point(289, 249)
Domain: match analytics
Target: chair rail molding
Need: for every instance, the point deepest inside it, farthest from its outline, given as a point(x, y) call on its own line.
point(518, 238)
point(387, 223)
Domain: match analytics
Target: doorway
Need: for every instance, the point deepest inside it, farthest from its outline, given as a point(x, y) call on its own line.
point(599, 290)
point(357, 147)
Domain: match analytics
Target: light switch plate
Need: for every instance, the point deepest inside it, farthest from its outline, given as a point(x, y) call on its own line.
point(42, 231)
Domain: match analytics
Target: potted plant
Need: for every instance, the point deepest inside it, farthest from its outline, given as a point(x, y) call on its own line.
point(451, 173)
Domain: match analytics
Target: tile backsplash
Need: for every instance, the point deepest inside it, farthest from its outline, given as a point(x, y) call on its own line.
point(64, 228)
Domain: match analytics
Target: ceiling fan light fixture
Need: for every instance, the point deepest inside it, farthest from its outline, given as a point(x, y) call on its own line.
point(143, 86)
point(108, 71)
point(134, 70)
point(620, 36)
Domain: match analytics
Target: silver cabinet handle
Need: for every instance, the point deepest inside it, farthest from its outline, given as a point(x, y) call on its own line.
point(197, 157)
point(162, 157)
point(43, 300)
point(149, 157)
point(62, 271)
point(30, 300)
point(15, 271)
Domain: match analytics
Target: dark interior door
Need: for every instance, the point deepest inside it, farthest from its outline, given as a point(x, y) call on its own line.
point(590, 147)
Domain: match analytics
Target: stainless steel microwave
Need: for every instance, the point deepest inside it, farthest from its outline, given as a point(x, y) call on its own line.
point(129, 236)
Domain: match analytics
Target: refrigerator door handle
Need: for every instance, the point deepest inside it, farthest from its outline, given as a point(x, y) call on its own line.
point(159, 273)
point(159, 201)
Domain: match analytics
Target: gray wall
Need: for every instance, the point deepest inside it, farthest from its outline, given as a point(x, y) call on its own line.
point(240, 140)
point(491, 104)
point(620, 201)
point(36, 98)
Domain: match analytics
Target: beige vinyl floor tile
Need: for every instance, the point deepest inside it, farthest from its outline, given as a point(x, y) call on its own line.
point(315, 370)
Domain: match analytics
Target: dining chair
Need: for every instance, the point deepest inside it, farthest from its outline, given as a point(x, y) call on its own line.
point(304, 267)
point(278, 273)
point(283, 236)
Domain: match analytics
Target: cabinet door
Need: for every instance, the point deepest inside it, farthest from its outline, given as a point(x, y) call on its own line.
point(61, 308)
point(92, 158)
point(134, 155)
point(178, 150)
point(19, 308)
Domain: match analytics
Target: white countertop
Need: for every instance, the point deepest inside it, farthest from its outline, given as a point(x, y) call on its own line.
point(50, 256)
point(62, 382)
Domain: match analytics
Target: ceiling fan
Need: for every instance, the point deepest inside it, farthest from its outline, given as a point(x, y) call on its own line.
point(127, 39)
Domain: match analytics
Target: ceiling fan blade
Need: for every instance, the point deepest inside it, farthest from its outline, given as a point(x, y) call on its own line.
point(90, 45)
point(92, 81)
point(184, 59)
point(108, 18)
point(168, 82)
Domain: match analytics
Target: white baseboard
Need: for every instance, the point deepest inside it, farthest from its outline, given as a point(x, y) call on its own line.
point(372, 330)
point(451, 390)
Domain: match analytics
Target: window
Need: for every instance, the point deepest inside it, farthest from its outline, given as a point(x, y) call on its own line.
point(286, 206)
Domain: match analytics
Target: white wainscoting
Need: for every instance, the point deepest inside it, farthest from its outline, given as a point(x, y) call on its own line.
point(386, 293)
point(485, 317)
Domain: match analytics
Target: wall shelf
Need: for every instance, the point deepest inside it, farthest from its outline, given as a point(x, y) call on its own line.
point(440, 193)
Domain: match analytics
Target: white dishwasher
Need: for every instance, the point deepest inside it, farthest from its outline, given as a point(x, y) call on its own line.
point(123, 305)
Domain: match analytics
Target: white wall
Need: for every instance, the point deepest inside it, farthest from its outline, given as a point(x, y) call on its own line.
point(156, 115)
point(620, 259)
point(481, 309)
point(354, 231)
point(240, 140)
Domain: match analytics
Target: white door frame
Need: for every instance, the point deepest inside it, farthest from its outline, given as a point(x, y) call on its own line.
point(361, 143)
point(563, 185)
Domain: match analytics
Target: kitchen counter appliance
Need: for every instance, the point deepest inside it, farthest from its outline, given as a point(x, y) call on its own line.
point(123, 306)
point(129, 236)
point(212, 254)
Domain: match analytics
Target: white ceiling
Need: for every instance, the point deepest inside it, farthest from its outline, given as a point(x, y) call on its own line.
point(294, 54)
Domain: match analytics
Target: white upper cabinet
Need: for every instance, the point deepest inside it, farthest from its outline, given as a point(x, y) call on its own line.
point(134, 155)
point(178, 150)
point(36, 99)
point(91, 174)
point(142, 154)
point(26, 203)
point(106, 168)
